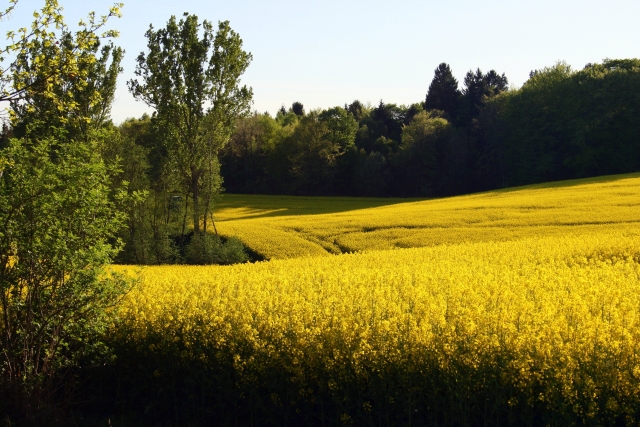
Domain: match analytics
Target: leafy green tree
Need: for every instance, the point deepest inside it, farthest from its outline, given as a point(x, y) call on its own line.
point(479, 88)
point(454, 174)
point(279, 155)
point(56, 78)
point(385, 146)
point(207, 248)
point(495, 83)
point(193, 83)
point(423, 142)
point(341, 125)
point(59, 211)
point(287, 118)
point(314, 155)
point(605, 128)
point(317, 143)
point(535, 120)
point(243, 160)
point(150, 219)
point(443, 92)
point(380, 130)
point(390, 118)
point(58, 219)
point(342, 128)
point(49, 16)
point(86, 102)
point(411, 111)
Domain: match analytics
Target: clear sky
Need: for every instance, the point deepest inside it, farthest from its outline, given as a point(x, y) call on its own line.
point(325, 53)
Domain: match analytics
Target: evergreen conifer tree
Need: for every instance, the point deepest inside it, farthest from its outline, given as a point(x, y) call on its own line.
point(443, 91)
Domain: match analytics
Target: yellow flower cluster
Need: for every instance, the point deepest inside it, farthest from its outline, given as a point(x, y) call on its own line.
point(557, 316)
point(286, 227)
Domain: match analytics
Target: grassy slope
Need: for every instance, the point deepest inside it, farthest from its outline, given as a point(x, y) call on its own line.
point(288, 227)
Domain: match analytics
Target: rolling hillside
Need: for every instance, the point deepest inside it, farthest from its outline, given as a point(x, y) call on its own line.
point(521, 307)
point(278, 227)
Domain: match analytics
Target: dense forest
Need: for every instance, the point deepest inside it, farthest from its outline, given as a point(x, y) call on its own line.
point(560, 124)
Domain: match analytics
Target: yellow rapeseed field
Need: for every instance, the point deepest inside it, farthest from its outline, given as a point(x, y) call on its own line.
point(526, 299)
point(286, 227)
point(558, 317)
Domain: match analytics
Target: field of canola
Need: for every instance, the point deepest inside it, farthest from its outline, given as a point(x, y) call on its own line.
point(522, 307)
point(288, 227)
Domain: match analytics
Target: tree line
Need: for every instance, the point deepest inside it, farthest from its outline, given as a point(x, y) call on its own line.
point(561, 124)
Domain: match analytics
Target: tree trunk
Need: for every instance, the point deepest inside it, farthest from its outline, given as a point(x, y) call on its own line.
point(195, 177)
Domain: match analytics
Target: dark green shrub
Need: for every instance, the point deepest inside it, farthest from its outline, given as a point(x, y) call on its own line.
point(233, 252)
point(206, 248)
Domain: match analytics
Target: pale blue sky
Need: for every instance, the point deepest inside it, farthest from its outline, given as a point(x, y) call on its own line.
point(329, 52)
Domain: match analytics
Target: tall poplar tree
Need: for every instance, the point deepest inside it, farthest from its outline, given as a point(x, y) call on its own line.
point(191, 77)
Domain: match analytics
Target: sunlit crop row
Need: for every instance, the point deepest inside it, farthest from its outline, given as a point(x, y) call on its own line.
point(272, 242)
point(571, 207)
point(553, 321)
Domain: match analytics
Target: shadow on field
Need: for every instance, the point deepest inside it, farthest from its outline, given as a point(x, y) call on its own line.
point(244, 206)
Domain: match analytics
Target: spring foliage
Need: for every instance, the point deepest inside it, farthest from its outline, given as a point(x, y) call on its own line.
point(193, 84)
point(59, 211)
point(58, 222)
